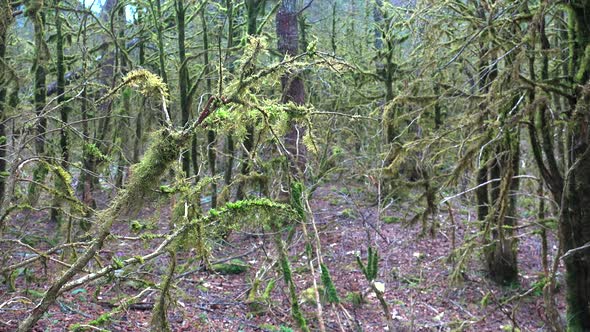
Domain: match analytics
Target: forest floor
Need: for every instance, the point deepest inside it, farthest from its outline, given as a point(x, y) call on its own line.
point(414, 268)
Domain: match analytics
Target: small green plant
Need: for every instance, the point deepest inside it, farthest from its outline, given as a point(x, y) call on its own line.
point(355, 298)
point(308, 295)
point(334, 202)
point(348, 213)
point(258, 304)
point(370, 270)
point(137, 226)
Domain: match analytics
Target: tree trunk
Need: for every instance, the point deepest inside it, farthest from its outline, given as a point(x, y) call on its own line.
point(63, 109)
point(229, 143)
point(5, 21)
point(292, 84)
point(575, 213)
point(253, 8)
point(211, 139)
point(183, 77)
point(35, 13)
point(571, 187)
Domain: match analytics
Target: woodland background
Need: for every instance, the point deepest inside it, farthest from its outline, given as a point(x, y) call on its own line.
point(268, 165)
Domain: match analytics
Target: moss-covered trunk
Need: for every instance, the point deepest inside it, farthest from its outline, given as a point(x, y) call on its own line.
point(183, 77)
point(570, 186)
point(211, 136)
point(5, 21)
point(253, 9)
point(61, 98)
point(575, 214)
point(500, 244)
point(144, 178)
point(229, 143)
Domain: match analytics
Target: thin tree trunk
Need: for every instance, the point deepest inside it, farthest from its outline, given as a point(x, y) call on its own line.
point(5, 22)
point(63, 109)
point(211, 139)
point(229, 145)
point(183, 77)
point(253, 8)
point(35, 13)
point(87, 173)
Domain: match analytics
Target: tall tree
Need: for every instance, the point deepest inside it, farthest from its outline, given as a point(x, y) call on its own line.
point(5, 21)
point(183, 76)
point(574, 194)
point(293, 91)
point(35, 11)
point(292, 84)
point(211, 137)
point(253, 10)
point(61, 98)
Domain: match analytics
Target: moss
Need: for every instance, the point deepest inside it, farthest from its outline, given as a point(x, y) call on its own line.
point(371, 268)
point(584, 64)
point(235, 266)
point(39, 175)
point(164, 150)
point(348, 213)
point(297, 199)
point(159, 321)
point(391, 220)
point(91, 151)
point(101, 320)
point(355, 298)
point(330, 289)
point(308, 295)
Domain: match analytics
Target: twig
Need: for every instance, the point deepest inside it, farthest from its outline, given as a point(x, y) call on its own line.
point(446, 199)
point(304, 7)
point(575, 250)
point(66, 308)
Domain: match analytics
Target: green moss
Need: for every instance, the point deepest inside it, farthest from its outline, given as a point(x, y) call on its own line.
point(146, 175)
point(235, 266)
point(330, 289)
point(348, 213)
point(34, 293)
point(391, 220)
point(355, 298)
point(39, 175)
point(297, 199)
point(91, 151)
point(308, 295)
point(137, 226)
point(584, 63)
point(101, 320)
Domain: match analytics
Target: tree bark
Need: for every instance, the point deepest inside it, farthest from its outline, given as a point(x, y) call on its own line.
point(211, 137)
point(571, 187)
point(575, 213)
point(5, 21)
point(292, 84)
point(61, 98)
point(253, 9)
point(183, 77)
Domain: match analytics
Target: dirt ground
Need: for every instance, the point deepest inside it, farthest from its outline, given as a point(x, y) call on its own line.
point(415, 268)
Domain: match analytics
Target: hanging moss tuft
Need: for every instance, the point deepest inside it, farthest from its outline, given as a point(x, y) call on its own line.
point(330, 289)
point(146, 175)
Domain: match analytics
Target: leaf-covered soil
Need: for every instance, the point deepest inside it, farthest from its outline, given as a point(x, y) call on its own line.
point(414, 265)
